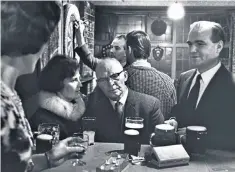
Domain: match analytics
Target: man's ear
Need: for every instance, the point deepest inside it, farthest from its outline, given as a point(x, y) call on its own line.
point(125, 75)
point(220, 46)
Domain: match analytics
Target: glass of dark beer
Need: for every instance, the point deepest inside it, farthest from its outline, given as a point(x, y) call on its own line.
point(50, 129)
point(43, 143)
point(81, 140)
point(196, 139)
point(132, 134)
point(131, 142)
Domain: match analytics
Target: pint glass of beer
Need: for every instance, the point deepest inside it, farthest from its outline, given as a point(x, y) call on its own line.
point(50, 129)
point(132, 135)
point(136, 123)
point(131, 142)
point(196, 139)
point(43, 143)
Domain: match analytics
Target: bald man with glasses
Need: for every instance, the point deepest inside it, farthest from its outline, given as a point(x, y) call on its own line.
point(111, 90)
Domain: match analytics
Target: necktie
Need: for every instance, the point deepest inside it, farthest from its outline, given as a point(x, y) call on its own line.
point(119, 108)
point(193, 95)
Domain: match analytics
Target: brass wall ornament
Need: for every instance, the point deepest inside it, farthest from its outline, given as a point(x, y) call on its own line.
point(158, 53)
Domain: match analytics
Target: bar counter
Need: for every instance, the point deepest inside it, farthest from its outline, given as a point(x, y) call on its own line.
point(213, 161)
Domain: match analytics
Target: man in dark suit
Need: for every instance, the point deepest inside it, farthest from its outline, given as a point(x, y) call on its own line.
point(206, 95)
point(111, 90)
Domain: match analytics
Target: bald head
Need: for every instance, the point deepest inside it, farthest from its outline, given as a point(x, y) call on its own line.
point(108, 65)
point(215, 29)
point(111, 78)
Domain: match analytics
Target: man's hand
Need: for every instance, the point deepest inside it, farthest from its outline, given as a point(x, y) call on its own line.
point(173, 123)
point(60, 152)
point(79, 31)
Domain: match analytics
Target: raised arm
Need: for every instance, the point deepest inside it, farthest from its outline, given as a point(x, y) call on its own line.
point(82, 49)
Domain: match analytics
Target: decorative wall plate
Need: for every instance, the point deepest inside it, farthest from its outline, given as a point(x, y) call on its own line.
point(158, 27)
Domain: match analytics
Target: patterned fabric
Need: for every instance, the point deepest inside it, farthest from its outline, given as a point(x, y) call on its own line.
point(155, 83)
point(16, 134)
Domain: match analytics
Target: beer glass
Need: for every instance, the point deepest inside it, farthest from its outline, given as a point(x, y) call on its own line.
point(196, 139)
point(136, 123)
point(43, 143)
point(89, 128)
point(80, 141)
point(50, 129)
point(131, 142)
point(132, 134)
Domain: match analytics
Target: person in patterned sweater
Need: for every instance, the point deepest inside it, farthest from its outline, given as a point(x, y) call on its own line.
point(144, 78)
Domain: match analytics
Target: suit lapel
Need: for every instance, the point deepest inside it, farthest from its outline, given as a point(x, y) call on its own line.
point(186, 86)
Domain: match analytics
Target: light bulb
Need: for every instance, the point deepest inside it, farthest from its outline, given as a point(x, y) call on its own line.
point(176, 11)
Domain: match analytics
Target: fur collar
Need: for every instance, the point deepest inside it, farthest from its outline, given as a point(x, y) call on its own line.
point(53, 103)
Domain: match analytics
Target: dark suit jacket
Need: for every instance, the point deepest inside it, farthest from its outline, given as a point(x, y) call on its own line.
point(216, 109)
point(110, 126)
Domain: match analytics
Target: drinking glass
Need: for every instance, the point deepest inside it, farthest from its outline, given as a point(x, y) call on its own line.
point(136, 123)
point(132, 134)
point(80, 141)
point(89, 128)
point(52, 129)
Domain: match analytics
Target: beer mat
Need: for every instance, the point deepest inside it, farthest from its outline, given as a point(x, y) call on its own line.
point(173, 155)
point(114, 163)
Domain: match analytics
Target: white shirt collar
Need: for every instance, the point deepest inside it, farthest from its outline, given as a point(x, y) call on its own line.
point(208, 75)
point(122, 99)
point(141, 62)
point(204, 82)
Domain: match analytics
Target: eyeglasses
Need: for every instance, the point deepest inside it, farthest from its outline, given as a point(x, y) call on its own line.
point(114, 76)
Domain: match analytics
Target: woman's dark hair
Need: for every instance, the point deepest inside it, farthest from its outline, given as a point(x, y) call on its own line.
point(26, 26)
point(57, 69)
point(140, 44)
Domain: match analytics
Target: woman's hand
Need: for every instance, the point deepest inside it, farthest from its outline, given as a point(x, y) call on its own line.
point(60, 152)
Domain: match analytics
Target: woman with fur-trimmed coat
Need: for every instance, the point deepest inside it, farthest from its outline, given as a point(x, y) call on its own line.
point(60, 100)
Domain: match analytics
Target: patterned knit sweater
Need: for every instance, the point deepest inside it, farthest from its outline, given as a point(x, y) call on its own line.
point(150, 81)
